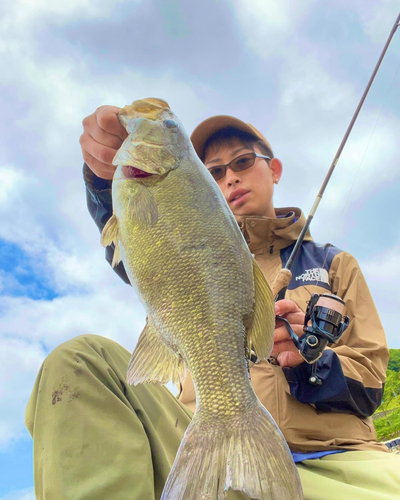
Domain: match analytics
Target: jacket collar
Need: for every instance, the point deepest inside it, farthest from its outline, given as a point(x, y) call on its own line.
point(264, 234)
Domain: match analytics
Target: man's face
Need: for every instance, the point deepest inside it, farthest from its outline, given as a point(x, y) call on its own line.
point(248, 192)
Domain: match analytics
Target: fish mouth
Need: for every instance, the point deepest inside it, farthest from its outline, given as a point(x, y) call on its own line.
point(131, 172)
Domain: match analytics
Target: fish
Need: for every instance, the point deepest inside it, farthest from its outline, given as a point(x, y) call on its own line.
point(207, 305)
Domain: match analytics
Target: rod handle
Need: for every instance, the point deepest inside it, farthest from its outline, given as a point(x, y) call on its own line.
point(281, 281)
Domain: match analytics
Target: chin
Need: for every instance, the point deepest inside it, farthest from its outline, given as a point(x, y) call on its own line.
point(243, 211)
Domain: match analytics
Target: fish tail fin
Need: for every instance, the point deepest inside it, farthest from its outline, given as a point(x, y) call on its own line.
point(247, 454)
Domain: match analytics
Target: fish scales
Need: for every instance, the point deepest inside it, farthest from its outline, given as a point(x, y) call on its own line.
point(194, 274)
point(207, 294)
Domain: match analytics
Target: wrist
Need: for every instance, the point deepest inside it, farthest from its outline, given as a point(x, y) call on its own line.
point(93, 181)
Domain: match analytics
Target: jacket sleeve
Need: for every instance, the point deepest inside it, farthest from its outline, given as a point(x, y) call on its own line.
point(353, 371)
point(99, 203)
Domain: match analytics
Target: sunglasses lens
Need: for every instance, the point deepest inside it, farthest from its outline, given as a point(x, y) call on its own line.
point(243, 162)
point(237, 165)
point(217, 172)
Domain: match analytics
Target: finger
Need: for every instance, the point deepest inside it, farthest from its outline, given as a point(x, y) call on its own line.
point(289, 359)
point(100, 152)
point(105, 138)
point(296, 318)
point(107, 120)
point(286, 306)
point(100, 169)
point(281, 332)
point(285, 345)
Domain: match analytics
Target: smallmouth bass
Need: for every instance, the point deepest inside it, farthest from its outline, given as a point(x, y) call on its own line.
point(206, 302)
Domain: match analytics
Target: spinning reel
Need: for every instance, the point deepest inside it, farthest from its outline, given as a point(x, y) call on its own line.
point(323, 325)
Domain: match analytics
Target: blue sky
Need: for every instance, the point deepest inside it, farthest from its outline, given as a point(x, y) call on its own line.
point(295, 70)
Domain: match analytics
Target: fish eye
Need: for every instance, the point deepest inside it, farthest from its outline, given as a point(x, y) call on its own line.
point(170, 124)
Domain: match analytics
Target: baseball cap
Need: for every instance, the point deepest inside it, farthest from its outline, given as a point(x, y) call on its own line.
point(210, 126)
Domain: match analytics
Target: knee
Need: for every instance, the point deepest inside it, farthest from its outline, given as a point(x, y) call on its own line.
point(83, 347)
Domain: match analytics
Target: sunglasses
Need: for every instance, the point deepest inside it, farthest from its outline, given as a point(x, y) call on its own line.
point(238, 164)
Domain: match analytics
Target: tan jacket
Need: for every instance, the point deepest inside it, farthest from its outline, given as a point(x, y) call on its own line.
point(336, 414)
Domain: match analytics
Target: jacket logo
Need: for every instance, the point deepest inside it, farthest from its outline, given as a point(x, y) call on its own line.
point(316, 274)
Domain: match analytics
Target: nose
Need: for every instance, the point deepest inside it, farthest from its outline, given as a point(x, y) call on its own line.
point(231, 177)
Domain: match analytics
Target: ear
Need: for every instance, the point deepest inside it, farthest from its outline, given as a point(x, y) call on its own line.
point(276, 168)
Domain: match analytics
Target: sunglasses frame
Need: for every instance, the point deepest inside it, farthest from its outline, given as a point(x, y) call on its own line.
point(236, 168)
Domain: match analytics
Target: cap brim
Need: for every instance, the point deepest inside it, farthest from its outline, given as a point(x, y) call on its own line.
point(209, 127)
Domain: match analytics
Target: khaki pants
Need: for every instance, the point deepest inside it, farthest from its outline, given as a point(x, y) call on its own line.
point(96, 438)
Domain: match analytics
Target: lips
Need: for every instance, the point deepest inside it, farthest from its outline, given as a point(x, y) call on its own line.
point(236, 195)
point(134, 173)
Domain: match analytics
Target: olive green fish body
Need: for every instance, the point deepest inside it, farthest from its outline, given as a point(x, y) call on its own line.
point(193, 273)
point(205, 299)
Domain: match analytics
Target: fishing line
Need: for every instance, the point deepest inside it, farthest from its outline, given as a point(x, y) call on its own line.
point(346, 203)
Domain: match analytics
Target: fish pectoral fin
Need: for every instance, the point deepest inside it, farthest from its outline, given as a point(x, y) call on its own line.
point(144, 206)
point(153, 361)
point(110, 235)
point(261, 333)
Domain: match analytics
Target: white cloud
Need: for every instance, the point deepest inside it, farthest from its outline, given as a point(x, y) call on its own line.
point(30, 329)
point(41, 210)
point(269, 25)
point(20, 361)
point(26, 494)
point(385, 268)
point(378, 17)
point(113, 311)
point(315, 107)
point(22, 205)
point(307, 85)
point(29, 13)
point(366, 165)
point(10, 178)
point(382, 273)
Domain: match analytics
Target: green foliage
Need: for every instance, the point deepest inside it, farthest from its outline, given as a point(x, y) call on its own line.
point(394, 360)
point(387, 427)
point(392, 390)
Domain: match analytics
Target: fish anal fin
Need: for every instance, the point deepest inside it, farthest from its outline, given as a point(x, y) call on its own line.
point(153, 361)
point(261, 333)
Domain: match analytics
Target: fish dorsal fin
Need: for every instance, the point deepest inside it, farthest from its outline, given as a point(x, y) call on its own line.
point(110, 235)
point(152, 361)
point(261, 333)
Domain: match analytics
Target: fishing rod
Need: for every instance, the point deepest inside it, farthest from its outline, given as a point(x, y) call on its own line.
point(323, 321)
point(283, 279)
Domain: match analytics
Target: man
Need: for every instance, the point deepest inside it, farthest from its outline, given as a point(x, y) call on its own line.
point(96, 437)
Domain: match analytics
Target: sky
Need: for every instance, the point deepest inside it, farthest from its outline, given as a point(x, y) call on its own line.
point(295, 70)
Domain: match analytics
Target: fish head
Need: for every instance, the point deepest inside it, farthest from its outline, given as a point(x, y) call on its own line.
point(154, 147)
point(155, 143)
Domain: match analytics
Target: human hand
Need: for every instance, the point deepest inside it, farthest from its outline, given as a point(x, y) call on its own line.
point(284, 350)
point(102, 137)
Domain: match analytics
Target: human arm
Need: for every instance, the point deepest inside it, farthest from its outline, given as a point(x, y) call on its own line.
point(101, 138)
point(353, 370)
